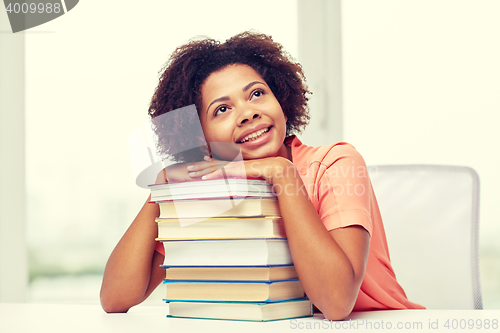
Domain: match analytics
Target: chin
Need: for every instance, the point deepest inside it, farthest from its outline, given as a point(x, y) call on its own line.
point(257, 155)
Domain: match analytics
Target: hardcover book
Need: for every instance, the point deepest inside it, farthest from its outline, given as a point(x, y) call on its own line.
point(242, 311)
point(253, 273)
point(241, 207)
point(236, 291)
point(220, 228)
point(229, 252)
point(217, 188)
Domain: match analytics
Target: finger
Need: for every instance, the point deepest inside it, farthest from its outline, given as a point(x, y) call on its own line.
point(220, 164)
point(213, 175)
point(199, 169)
point(198, 166)
point(198, 174)
point(215, 161)
point(211, 160)
point(227, 171)
point(235, 169)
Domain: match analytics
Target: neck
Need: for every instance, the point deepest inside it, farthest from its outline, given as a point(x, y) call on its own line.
point(285, 151)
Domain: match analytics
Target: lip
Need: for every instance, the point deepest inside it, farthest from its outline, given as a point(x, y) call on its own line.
point(259, 142)
point(251, 130)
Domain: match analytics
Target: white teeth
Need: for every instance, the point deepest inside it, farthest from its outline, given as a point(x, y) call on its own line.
point(254, 135)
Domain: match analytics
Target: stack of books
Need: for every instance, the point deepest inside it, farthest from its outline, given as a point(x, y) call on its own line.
point(226, 252)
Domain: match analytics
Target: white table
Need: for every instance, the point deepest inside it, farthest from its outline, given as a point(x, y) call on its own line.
point(69, 318)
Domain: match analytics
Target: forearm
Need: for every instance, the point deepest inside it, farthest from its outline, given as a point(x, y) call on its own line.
point(128, 271)
point(330, 265)
point(326, 273)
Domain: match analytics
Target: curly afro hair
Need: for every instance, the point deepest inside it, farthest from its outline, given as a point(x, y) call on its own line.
point(190, 65)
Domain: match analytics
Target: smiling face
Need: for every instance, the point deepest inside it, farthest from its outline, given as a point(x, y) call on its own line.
point(239, 107)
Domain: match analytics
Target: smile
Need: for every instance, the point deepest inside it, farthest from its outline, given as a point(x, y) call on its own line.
point(255, 135)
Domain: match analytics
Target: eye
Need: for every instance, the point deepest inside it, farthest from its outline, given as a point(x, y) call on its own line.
point(257, 93)
point(220, 110)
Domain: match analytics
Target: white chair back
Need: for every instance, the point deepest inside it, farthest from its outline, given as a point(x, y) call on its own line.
point(431, 219)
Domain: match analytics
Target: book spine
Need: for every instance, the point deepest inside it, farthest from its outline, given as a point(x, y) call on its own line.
point(165, 281)
point(168, 300)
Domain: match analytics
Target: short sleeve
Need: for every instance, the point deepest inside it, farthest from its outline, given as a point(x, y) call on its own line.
point(160, 248)
point(338, 184)
point(343, 189)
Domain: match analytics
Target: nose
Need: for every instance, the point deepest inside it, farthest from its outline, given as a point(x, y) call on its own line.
point(247, 115)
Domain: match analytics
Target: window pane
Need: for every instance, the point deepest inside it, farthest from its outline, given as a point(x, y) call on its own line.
point(88, 85)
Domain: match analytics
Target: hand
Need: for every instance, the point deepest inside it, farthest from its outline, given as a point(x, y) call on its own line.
point(207, 166)
point(183, 172)
point(268, 168)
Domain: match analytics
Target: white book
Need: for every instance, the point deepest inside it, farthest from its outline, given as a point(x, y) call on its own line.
point(217, 188)
point(221, 228)
point(242, 311)
point(230, 252)
point(233, 291)
point(264, 273)
point(240, 207)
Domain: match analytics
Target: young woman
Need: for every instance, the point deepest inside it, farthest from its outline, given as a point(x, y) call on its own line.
point(251, 94)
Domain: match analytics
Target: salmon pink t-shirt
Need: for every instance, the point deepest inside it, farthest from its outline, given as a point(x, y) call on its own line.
point(337, 182)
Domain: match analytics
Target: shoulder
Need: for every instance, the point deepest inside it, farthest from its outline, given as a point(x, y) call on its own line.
point(337, 182)
point(327, 155)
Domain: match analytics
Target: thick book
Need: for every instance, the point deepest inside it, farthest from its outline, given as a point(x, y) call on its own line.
point(269, 273)
point(242, 311)
point(219, 228)
point(241, 207)
point(233, 291)
point(216, 188)
point(228, 252)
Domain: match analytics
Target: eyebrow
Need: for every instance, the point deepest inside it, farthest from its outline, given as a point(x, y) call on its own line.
point(226, 98)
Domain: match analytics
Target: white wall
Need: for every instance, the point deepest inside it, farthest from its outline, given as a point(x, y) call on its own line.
point(13, 254)
point(320, 52)
point(421, 84)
